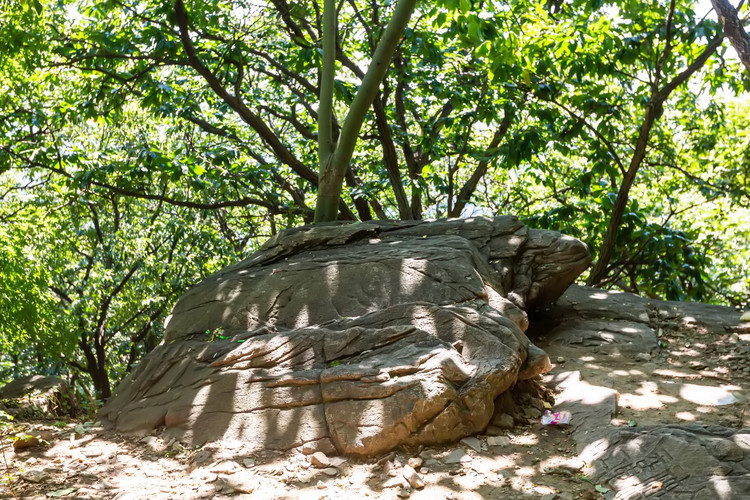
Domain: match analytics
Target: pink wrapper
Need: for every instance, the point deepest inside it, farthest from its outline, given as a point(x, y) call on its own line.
point(557, 418)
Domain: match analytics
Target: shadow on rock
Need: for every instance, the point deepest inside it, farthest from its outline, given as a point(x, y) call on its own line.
point(353, 338)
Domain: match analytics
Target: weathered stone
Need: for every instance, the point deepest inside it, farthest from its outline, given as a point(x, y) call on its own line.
point(473, 443)
point(390, 468)
point(682, 458)
point(244, 482)
point(690, 461)
point(395, 482)
point(224, 467)
point(362, 337)
point(503, 421)
point(494, 431)
point(35, 476)
point(32, 439)
point(324, 445)
point(457, 456)
point(498, 441)
point(37, 395)
point(411, 476)
point(330, 471)
point(320, 460)
point(592, 408)
point(607, 336)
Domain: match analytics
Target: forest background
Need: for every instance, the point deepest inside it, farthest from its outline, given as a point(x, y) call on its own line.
point(146, 144)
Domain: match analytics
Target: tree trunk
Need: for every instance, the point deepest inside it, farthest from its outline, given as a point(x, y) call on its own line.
point(734, 30)
point(335, 162)
point(96, 367)
point(653, 112)
point(621, 203)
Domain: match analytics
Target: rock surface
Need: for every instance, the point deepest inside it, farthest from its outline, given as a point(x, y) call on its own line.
point(605, 333)
point(663, 442)
point(38, 395)
point(673, 461)
point(353, 338)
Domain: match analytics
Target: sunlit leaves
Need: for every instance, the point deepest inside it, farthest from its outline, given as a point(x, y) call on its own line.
point(573, 78)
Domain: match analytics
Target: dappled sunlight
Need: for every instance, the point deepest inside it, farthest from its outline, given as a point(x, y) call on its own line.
point(705, 410)
point(645, 396)
point(685, 416)
point(594, 450)
point(607, 337)
point(593, 366)
point(525, 471)
point(633, 483)
point(682, 393)
point(531, 464)
point(721, 487)
point(303, 318)
point(408, 266)
point(703, 395)
point(618, 373)
point(525, 439)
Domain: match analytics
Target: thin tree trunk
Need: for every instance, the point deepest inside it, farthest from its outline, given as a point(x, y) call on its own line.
point(390, 160)
point(96, 368)
point(468, 189)
point(333, 168)
point(653, 112)
point(610, 238)
point(734, 30)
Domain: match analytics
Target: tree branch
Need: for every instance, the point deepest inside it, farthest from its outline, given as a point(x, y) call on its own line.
point(734, 30)
point(332, 174)
point(235, 102)
point(467, 190)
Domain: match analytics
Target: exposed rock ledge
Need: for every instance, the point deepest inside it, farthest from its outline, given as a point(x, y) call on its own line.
point(358, 337)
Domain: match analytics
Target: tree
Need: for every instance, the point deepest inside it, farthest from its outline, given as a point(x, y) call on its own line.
point(265, 70)
point(661, 89)
point(203, 125)
point(335, 155)
point(113, 263)
point(589, 84)
point(29, 329)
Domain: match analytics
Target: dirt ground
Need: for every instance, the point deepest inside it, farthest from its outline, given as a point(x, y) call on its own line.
point(81, 460)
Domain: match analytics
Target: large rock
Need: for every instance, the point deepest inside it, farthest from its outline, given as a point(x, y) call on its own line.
point(39, 396)
point(358, 337)
point(673, 461)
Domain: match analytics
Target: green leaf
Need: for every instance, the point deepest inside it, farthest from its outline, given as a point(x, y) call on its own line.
point(196, 169)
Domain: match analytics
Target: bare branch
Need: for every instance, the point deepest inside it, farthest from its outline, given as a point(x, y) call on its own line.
point(235, 102)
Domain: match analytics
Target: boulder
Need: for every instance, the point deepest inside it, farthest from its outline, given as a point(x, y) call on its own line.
point(356, 338)
point(38, 396)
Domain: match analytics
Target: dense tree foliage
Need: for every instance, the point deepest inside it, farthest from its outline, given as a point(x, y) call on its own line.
point(144, 144)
